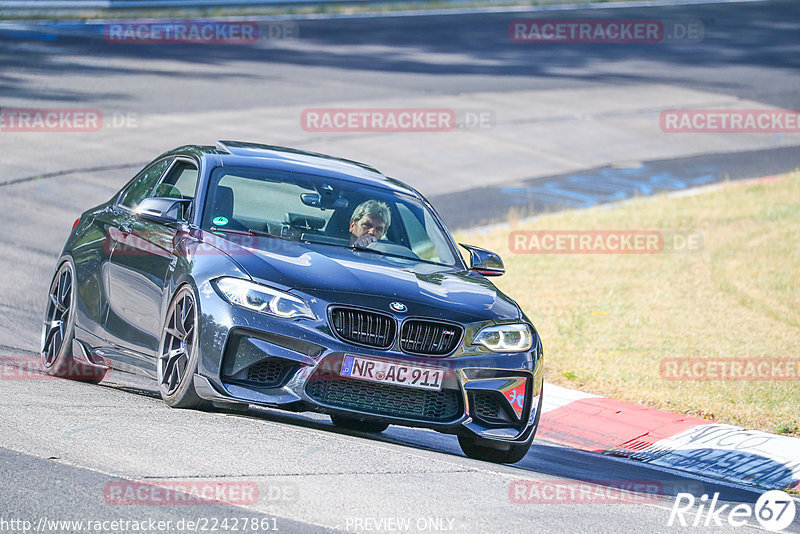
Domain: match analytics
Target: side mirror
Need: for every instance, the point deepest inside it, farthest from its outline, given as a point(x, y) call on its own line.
point(162, 210)
point(484, 262)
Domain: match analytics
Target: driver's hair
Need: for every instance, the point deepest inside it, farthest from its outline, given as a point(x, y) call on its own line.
point(373, 208)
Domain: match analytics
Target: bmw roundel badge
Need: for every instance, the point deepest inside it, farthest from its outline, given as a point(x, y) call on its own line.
point(398, 307)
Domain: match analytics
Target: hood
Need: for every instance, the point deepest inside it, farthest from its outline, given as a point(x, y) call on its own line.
point(344, 276)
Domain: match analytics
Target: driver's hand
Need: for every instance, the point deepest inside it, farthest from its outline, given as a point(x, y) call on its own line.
point(365, 240)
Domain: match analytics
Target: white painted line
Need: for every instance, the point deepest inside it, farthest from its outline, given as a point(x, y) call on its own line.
point(556, 397)
point(744, 456)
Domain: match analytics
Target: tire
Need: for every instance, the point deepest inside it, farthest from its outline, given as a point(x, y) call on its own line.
point(479, 449)
point(362, 426)
point(178, 353)
point(58, 331)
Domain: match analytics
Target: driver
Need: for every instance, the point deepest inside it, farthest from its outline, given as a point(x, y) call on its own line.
point(369, 222)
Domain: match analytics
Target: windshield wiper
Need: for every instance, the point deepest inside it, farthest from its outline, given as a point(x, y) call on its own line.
point(254, 233)
point(360, 248)
point(367, 249)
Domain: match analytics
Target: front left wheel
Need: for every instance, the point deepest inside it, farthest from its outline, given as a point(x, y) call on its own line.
point(499, 453)
point(177, 353)
point(487, 451)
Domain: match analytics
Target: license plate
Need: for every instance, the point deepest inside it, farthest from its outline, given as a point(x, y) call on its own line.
point(400, 374)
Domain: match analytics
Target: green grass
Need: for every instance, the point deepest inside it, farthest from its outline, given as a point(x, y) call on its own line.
point(789, 427)
point(607, 320)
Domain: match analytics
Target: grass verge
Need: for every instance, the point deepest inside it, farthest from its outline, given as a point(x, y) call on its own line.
point(608, 320)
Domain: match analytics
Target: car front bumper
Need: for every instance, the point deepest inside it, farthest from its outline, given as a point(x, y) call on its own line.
point(251, 358)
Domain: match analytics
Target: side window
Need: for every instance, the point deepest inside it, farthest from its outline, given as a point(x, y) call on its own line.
point(427, 241)
point(179, 182)
point(143, 184)
point(420, 242)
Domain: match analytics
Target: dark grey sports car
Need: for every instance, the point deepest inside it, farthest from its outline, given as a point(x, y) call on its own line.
point(246, 274)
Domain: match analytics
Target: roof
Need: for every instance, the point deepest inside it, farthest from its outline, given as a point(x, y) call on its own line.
point(291, 159)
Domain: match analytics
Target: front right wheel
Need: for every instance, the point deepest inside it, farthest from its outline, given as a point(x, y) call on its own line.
point(487, 451)
point(355, 424)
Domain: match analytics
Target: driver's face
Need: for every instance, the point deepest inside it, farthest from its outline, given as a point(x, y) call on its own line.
point(367, 225)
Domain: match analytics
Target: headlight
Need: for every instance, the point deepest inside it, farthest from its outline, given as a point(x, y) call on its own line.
point(505, 338)
point(263, 299)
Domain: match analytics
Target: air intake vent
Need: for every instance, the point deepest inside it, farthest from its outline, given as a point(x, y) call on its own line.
point(363, 327)
point(268, 371)
point(430, 338)
point(385, 399)
point(486, 406)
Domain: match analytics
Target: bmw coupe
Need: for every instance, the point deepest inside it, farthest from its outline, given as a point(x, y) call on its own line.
point(244, 274)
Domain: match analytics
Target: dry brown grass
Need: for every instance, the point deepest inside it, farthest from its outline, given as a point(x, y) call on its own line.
point(607, 320)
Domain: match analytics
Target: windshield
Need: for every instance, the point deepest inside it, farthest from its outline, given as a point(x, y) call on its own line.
point(315, 209)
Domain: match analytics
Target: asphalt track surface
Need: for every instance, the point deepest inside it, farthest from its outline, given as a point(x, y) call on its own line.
point(63, 443)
